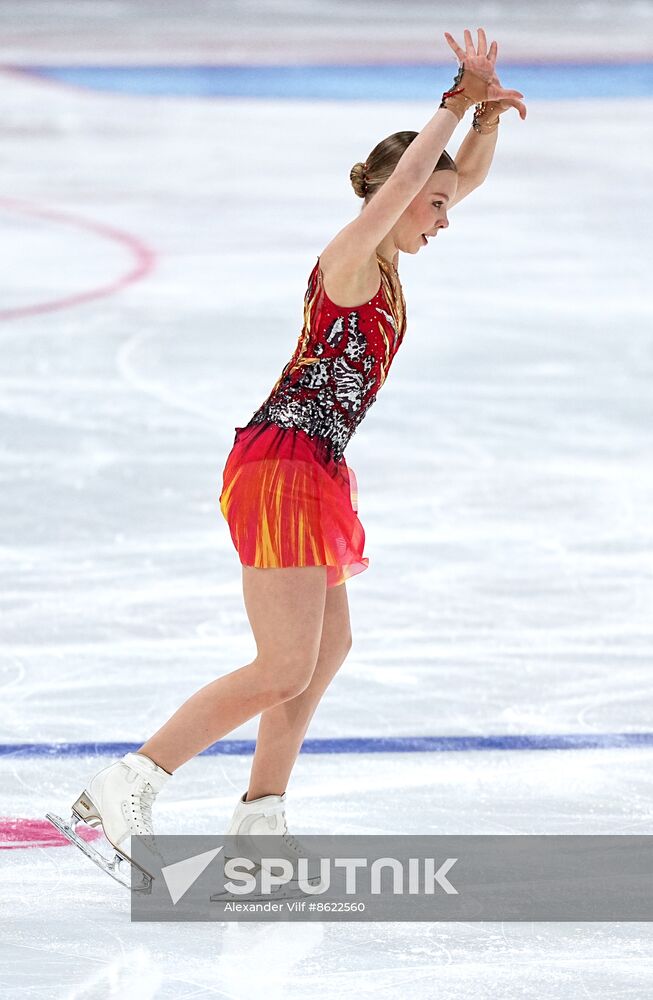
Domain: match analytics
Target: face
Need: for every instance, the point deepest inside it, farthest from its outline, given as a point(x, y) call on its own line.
point(427, 212)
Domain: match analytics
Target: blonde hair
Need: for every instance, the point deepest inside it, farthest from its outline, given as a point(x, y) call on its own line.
point(366, 178)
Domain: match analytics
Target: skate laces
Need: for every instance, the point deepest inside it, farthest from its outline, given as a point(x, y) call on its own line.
point(142, 803)
point(288, 838)
point(294, 844)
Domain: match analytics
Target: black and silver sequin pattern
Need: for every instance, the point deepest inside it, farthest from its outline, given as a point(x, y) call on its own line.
point(328, 385)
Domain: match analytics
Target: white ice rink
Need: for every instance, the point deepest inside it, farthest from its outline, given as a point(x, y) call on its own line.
point(154, 256)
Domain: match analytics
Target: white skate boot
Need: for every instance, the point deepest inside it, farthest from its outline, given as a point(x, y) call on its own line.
point(265, 817)
point(119, 800)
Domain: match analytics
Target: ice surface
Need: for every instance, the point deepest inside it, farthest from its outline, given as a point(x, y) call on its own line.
point(154, 257)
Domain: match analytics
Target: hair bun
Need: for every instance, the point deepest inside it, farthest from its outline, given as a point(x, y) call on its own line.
point(358, 179)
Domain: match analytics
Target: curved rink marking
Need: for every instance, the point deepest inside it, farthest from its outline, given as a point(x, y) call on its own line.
point(142, 255)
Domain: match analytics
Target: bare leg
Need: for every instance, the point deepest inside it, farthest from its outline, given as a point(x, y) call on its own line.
point(286, 609)
point(282, 727)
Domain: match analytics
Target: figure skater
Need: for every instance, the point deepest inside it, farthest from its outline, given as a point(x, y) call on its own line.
point(288, 495)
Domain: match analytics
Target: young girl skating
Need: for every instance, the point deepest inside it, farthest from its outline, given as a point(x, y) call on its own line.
point(288, 495)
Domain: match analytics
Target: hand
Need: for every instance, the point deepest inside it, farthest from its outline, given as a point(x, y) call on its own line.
point(481, 64)
point(494, 108)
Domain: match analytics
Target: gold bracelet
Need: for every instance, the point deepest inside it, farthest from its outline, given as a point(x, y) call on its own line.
point(481, 126)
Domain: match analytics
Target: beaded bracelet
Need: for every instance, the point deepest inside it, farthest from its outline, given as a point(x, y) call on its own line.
point(478, 123)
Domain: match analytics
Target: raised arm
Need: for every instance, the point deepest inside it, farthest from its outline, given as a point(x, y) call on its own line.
point(473, 161)
point(358, 240)
point(475, 155)
point(474, 82)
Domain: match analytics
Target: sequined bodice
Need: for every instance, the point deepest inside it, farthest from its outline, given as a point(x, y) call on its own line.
point(342, 359)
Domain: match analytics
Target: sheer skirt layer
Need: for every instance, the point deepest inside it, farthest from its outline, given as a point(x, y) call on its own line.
point(287, 506)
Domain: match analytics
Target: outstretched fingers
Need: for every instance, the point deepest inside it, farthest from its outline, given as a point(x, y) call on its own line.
point(490, 54)
point(455, 46)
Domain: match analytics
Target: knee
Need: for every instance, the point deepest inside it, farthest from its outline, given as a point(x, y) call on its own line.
point(288, 677)
point(299, 674)
point(293, 687)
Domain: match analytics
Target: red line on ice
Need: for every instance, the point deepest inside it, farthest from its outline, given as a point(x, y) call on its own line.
point(143, 256)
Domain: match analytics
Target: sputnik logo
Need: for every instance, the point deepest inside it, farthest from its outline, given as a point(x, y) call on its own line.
point(180, 876)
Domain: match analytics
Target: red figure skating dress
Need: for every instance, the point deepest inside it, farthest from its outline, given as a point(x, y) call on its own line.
point(288, 495)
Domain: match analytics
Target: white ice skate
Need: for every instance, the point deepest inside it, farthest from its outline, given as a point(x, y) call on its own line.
point(118, 799)
point(265, 817)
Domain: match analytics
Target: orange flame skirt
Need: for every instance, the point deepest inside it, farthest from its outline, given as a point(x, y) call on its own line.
point(286, 504)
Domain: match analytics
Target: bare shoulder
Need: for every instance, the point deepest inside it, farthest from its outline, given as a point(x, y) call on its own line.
point(347, 281)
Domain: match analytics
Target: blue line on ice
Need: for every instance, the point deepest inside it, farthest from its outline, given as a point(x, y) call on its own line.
point(363, 744)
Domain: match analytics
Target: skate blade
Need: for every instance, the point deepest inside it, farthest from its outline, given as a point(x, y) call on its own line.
point(84, 809)
point(142, 879)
